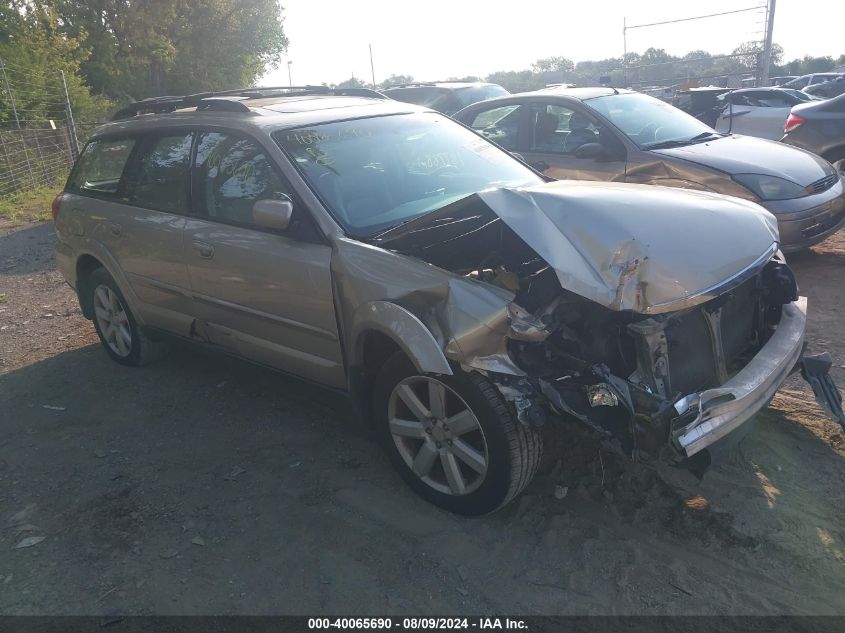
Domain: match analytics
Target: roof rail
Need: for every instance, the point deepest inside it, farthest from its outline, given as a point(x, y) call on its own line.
point(413, 84)
point(233, 100)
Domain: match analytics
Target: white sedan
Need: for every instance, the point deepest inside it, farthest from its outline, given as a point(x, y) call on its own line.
point(759, 112)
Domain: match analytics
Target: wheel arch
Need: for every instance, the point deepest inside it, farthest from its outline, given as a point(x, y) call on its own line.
point(85, 265)
point(94, 255)
point(381, 329)
point(376, 321)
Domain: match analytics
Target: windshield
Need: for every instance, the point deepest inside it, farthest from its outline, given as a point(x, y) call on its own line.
point(649, 122)
point(375, 173)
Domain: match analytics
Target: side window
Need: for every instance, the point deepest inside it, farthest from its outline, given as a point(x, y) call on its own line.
point(550, 129)
point(559, 130)
point(500, 125)
point(231, 174)
point(100, 167)
point(775, 100)
point(159, 174)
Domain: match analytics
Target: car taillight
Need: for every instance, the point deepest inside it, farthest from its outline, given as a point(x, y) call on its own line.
point(792, 122)
point(57, 204)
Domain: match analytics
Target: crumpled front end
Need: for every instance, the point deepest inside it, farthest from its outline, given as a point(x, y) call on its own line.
point(655, 330)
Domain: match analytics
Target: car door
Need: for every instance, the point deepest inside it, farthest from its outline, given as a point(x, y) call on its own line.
point(558, 140)
point(762, 115)
point(140, 219)
point(262, 293)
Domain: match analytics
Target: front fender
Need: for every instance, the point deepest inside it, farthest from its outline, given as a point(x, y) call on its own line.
point(403, 327)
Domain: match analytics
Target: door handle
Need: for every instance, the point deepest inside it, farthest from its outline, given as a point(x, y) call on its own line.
point(115, 229)
point(204, 249)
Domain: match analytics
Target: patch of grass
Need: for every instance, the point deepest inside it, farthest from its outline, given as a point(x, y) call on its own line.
point(32, 205)
point(4, 298)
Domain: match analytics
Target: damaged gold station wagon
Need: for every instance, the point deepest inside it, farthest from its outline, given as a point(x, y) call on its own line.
point(384, 250)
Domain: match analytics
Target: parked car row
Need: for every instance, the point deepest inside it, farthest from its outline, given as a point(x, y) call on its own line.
point(458, 297)
point(624, 136)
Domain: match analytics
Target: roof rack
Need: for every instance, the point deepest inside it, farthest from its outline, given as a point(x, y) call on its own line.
point(413, 84)
point(233, 100)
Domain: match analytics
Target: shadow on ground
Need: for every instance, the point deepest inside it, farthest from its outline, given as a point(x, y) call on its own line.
point(205, 485)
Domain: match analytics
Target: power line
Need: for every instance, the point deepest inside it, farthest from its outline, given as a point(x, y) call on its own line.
point(699, 17)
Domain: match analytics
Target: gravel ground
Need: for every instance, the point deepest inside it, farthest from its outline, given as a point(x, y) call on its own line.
point(202, 485)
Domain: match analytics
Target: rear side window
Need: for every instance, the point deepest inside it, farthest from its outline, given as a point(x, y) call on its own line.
point(158, 176)
point(100, 167)
point(500, 124)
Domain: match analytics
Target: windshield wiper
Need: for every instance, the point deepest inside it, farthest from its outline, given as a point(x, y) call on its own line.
point(680, 142)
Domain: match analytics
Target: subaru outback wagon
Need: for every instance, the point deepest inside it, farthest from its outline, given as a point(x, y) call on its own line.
point(383, 250)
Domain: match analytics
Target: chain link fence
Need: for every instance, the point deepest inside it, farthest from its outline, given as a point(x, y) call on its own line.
point(39, 139)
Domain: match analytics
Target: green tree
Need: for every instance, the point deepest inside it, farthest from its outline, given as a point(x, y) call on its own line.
point(553, 65)
point(396, 80)
point(352, 82)
point(141, 49)
point(517, 80)
point(34, 52)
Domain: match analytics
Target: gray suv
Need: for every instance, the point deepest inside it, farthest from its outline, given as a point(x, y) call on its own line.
point(385, 251)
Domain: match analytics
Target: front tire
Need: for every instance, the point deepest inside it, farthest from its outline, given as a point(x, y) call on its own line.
point(453, 439)
point(123, 340)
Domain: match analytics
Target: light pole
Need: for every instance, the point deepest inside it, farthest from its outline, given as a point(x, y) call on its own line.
point(290, 81)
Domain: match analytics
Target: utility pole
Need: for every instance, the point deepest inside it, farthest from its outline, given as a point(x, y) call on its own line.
point(11, 96)
point(766, 60)
point(624, 52)
point(290, 81)
point(372, 68)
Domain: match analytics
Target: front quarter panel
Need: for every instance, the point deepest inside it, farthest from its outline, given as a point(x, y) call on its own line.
point(435, 316)
point(649, 168)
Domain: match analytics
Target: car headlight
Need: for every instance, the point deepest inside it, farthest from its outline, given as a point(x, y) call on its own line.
point(770, 187)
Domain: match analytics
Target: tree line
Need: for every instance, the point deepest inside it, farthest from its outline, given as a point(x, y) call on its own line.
point(653, 66)
point(114, 51)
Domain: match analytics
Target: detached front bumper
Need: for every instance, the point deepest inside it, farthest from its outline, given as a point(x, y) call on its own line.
point(717, 412)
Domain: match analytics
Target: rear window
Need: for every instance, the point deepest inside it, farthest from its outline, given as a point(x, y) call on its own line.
point(100, 167)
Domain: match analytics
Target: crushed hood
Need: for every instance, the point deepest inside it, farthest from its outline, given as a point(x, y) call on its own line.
point(631, 247)
point(738, 154)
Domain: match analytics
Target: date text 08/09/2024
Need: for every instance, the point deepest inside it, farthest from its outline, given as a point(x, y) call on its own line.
point(416, 624)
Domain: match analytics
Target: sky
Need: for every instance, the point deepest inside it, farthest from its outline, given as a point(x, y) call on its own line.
point(438, 39)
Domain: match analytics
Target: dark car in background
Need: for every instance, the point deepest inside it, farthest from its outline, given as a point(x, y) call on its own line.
point(811, 80)
point(445, 96)
point(828, 89)
point(819, 127)
point(624, 136)
point(784, 79)
point(702, 103)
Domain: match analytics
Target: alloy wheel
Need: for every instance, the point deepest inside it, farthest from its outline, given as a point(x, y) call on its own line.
point(438, 436)
point(112, 320)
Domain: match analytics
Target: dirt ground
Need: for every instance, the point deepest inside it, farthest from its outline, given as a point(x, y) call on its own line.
point(201, 485)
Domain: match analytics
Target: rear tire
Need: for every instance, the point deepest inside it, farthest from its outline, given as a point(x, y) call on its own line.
point(122, 338)
point(479, 464)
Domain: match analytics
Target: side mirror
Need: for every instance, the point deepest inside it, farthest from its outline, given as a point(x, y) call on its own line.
point(518, 157)
point(590, 150)
point(272, 214)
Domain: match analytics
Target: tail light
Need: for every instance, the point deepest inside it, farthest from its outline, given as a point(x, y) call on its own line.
point(57, 205)
point(792, 122)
